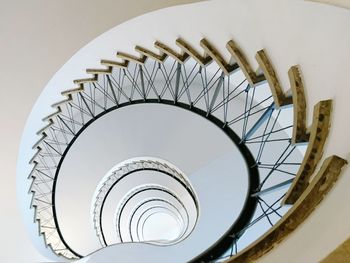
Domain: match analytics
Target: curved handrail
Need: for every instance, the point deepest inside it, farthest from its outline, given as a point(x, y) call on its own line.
point(210, 54)
point(304, 206)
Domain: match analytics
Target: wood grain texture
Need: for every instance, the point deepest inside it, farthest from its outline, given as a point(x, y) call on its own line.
point(269, 72)
point(126, 56)
point(303, 194)
point(49, 117)
point(306, 204)
point(69, 92)
point(242, 62)
point(114, 64)
point(96, 71)
point(300, 133)
point(209, 49)
point(85, 80)
point(62, 102)
point(318, 136)
point(340, 255)
point(148, 53)
point(202, 60)
point(181, 58)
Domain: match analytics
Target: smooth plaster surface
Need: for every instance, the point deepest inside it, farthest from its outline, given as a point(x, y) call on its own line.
point(316, 38)
point(36, 38)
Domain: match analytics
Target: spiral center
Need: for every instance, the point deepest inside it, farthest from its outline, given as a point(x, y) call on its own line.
point(161, 227)
point(155, 203)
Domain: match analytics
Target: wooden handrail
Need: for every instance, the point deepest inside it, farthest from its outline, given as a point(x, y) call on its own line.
point(280, 98)
point(242, 61)
point(310, 199)
point(139, 60)
point(201, 60)
point(181, 58)
point(151, 54)
point(318, 135)
point(300, 133)
point(211, 51)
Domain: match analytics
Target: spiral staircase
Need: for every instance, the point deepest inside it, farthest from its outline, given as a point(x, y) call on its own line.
point(227, 124)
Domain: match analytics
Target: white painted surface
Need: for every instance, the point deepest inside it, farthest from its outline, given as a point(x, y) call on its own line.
point(293, 32)
point(161, 226)
point(37, 37)
point(340, 3)
point(212, 214)
point(215, 168)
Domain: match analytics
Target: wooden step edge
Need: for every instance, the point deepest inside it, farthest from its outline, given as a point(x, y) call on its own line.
point(302, 209)
point(187, 48)
point(47, 242)
point(31, 189)
point(299, 134)
point(69, 92)
point(47, 118)
point(85, 80)
point(32, 183)
point(139, 60)
point(42, 138)
point(41, 229)
point(114, 64)
point(31, 205)
point(181, 58)
point(38, 150)
point(46, 227)
point(62, 102)
point(37, 220)
point(339, 254)
point(148, 53)
point(35, 165)
point(96, 71)
point(43, 129)
point(244, 65)
point(318, 136)
point(270, 74)
point(211, 51)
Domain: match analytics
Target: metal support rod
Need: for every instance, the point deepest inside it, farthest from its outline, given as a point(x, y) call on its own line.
point(273, 188)
point(177, 81)
point(261, 120)
point(216, 92)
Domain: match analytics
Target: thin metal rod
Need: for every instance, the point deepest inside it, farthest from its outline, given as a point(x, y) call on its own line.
point(273, 188)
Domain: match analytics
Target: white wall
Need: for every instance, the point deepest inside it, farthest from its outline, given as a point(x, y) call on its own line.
point(293, 32)
point(37, 37)
point(340, 3)
point(156, 131)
